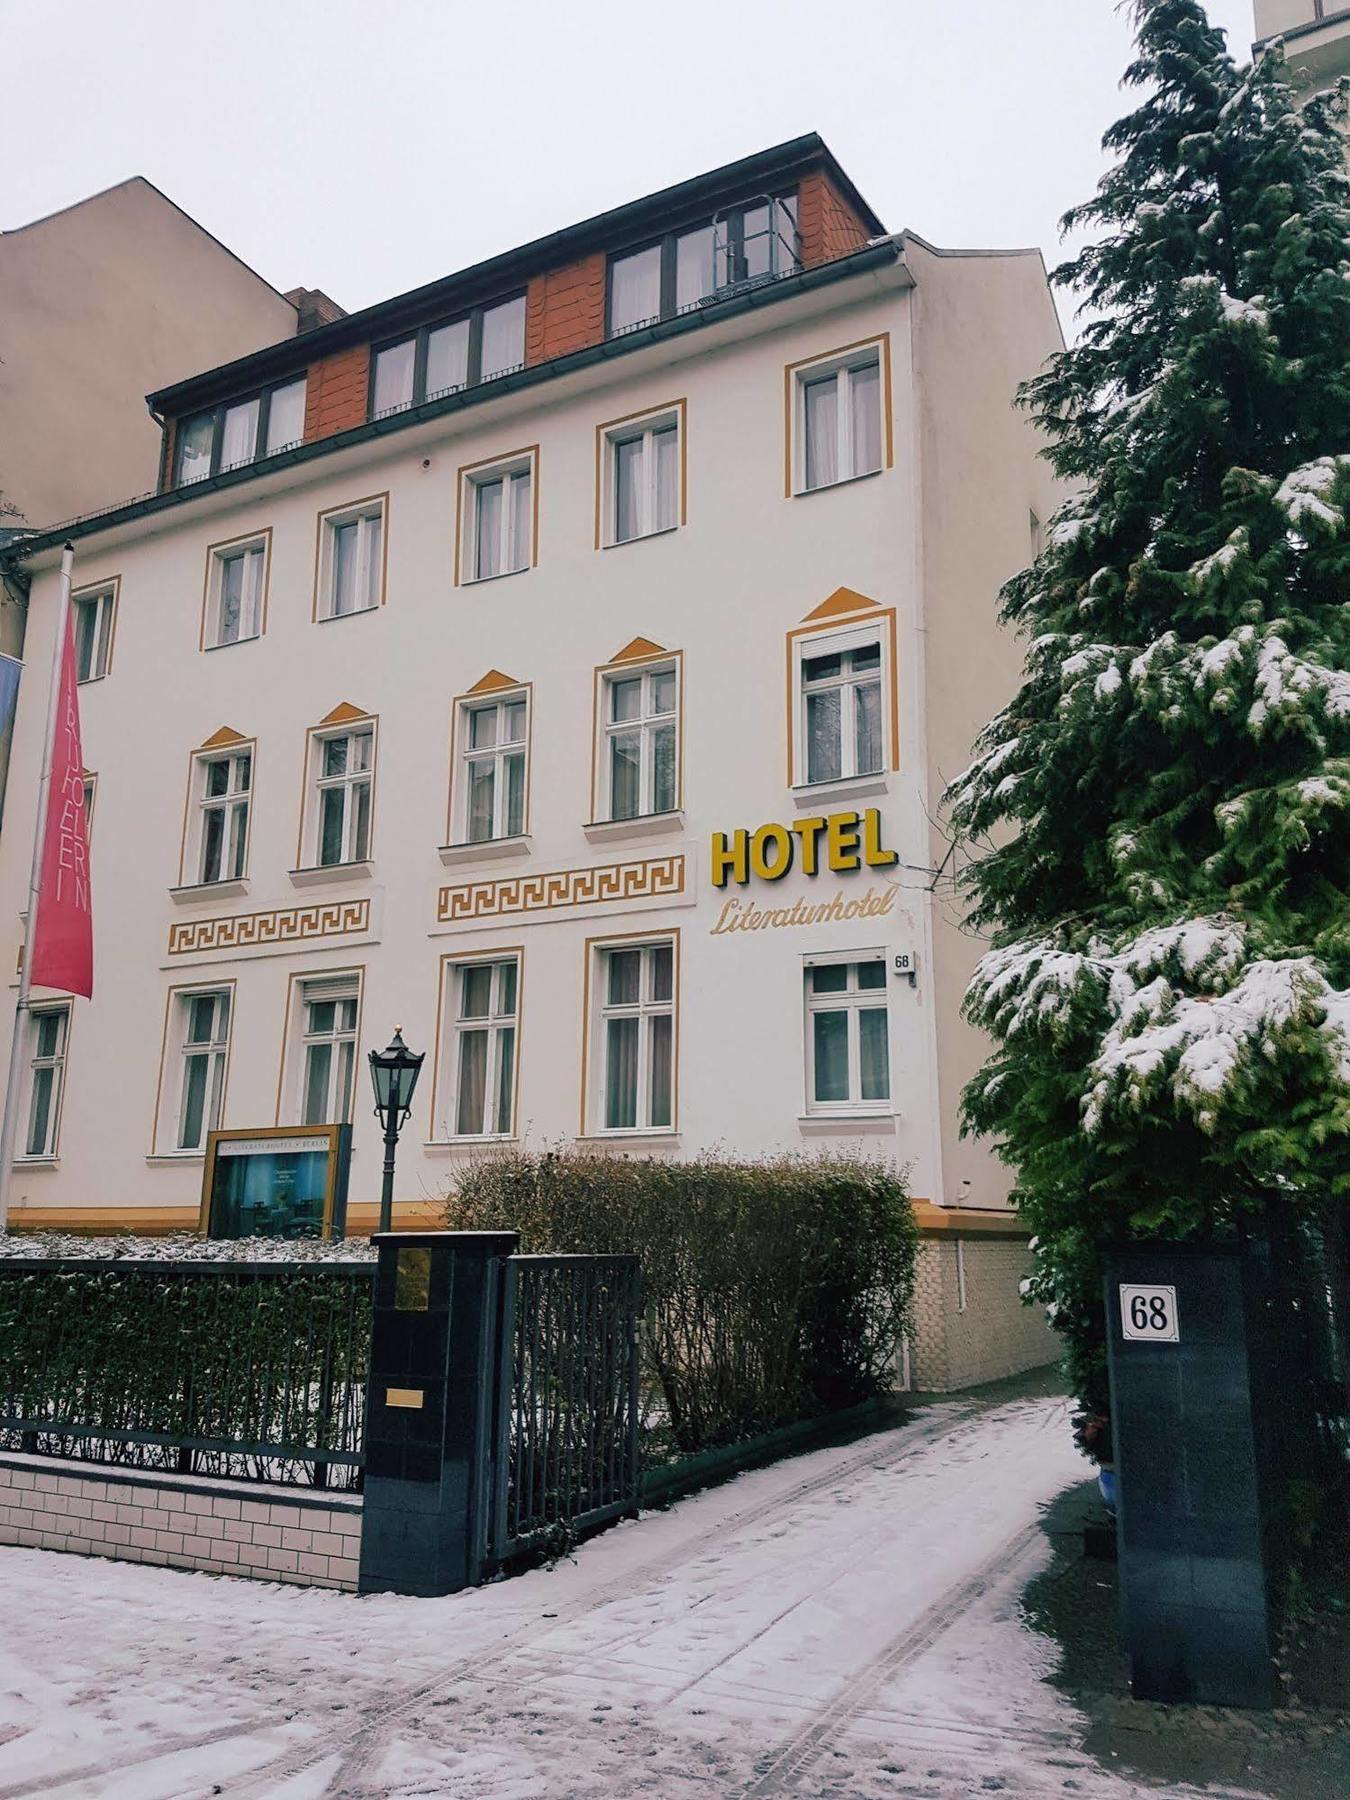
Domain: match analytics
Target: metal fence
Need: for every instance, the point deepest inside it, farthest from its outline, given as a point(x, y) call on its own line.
point(254, 1370)
point(567, 1397)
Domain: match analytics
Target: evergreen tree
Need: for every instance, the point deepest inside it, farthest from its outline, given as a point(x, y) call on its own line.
point(1168, 795)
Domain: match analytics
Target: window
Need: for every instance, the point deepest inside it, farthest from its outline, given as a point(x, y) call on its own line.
point(839, 428)
point(482, 1005)
point(90, 789)
point(48, 1029)
point(343, 777)
point(94, 614)
point(635, 987)
point(495, 531)
point(328, 1021)
point(493, 740)
point(239, 432)
point(841, 708)
point(745, 243)
point(642, 475)
point(640, 748)
point(224, 787)
point(236, 579)
point(351, 559)
point(202, 1036)
point(438, 359)
point(847, 1050)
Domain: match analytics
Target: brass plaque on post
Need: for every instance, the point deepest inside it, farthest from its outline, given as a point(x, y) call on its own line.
point(412, 1281)
point(409, 1397)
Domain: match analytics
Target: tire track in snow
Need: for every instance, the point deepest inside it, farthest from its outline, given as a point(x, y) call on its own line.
point(793, 1758)
point(364, 1743)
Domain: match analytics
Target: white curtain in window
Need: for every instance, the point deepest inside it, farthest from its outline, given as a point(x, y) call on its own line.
point(824, 745)
point(621, 1074)
point(488, 561)
point(667, 445)
point(874, 1054)
point(447, 358)
point(635, 289)
point(867, 725)
point(627, 495)
point(520, 522)
point(830, 1048)
point(822, 425)
point(394, 376)
point(865, 407)
point(473, 1065)
point(239, 439)
point(503, 337)
point(286, 416)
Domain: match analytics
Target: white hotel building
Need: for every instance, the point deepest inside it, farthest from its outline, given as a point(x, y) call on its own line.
point(463, 637)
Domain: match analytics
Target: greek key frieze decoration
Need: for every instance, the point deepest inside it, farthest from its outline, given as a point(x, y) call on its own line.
point(552, 890)
point(284, 925)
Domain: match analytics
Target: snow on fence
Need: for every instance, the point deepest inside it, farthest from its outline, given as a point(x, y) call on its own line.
point(253, 1370)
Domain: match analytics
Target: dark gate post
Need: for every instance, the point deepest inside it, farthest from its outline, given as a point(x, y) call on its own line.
point(429, 1410)
point(1195, 1610)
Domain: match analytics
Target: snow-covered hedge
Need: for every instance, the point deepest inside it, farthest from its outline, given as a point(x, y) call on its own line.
point(184, 1247)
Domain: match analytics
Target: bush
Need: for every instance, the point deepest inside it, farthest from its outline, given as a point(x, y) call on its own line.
point(774, 1290)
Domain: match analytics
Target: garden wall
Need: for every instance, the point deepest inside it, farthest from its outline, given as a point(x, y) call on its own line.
point(970, 1324)
point(184, 1522)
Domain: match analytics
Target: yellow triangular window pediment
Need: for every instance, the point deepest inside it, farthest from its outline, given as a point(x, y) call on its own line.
point(842, 600)
point(639, 648)
point(492, 682)
point(222, 739)
point(344, 714)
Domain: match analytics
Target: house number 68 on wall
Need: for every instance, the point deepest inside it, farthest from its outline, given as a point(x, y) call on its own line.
point(1149, 1314)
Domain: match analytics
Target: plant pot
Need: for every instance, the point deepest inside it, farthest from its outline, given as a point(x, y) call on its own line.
point(1106, 1487)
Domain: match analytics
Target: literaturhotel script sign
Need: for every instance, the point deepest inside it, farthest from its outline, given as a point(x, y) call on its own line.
point(837, 843)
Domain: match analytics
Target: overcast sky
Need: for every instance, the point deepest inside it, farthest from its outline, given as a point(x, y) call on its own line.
point(364, 149)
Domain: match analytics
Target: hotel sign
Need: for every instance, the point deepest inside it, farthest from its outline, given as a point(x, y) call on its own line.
point(837, 842)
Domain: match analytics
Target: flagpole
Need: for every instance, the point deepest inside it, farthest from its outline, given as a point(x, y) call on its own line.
point(14, 1085)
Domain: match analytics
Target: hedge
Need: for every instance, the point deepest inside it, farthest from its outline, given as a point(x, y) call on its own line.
point(774, 1290)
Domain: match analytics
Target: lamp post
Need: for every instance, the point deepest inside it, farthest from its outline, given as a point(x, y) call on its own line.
point(394, 1072)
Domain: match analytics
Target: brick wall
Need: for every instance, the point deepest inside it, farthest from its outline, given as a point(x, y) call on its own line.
point(995, 1335)
point(337, 392)
point(565, 309)
point(829, 226)
point(184, 1522)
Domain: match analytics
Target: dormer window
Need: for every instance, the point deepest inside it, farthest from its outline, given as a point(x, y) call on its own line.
point(758, 241)
point(439, 359)
point(239, 432)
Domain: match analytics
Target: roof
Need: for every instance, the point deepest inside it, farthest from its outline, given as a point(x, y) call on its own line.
point(662, 211)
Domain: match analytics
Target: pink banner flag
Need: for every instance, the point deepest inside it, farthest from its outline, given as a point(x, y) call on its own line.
point(63, 938)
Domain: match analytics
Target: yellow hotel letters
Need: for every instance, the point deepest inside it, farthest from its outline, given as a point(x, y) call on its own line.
point(835, 841)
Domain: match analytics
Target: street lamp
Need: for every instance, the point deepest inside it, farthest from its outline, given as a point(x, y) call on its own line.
point(394, 1072)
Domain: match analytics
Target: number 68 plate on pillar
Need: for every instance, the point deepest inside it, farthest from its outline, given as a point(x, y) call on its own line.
point(1149, 1314)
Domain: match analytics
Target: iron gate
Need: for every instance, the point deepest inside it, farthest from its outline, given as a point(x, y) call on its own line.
point(566, 1427)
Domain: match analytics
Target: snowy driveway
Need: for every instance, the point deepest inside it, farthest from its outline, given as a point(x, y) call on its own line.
point(841, 1624)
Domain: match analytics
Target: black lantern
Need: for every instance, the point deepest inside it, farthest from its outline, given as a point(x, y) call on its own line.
point(394, 1073)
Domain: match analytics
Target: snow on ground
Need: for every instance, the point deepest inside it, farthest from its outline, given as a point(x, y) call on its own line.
point(842, 1624)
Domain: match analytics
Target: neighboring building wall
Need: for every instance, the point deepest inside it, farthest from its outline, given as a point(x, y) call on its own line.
point(1316, 37)
point(308, 1539)
point(982, 323)
point(971, 1324)
point(99, 305)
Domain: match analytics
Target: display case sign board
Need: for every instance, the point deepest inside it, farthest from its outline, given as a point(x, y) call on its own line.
point(277, 1181)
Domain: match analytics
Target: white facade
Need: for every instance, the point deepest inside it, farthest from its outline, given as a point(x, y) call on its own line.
point(749, 576)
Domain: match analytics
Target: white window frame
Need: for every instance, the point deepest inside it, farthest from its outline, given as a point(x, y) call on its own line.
point(314, 990)
point(853, 1001)
point(102, 597)
point(371, 556)
point(608, 729)
point(36, 1064)
point(520, 468)
point(319, 784)
point(644, 1009)
point(838, 643)
point(497, 1022)
point(466, 756)
point(641, 427)
point(256, 549)
point(839, 366)
point(235, 799)
point(216, 1053)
